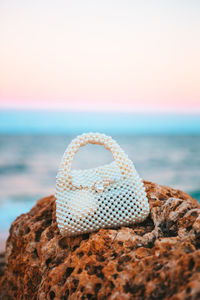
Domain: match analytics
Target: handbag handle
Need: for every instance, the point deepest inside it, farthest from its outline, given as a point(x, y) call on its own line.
point(124, 163)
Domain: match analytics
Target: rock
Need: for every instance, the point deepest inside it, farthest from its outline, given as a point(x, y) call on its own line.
point(157, 259)
point(2, 263)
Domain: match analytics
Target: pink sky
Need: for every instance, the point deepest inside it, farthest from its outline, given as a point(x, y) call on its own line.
point(110, 106)
point(107, 56)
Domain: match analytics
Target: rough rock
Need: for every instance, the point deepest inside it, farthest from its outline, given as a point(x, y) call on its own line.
point(2, 263)
point(157, 259)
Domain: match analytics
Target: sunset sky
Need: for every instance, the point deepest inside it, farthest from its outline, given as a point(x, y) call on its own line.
point(109, 55)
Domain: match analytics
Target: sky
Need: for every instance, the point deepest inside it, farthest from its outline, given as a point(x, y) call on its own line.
point(123, 56)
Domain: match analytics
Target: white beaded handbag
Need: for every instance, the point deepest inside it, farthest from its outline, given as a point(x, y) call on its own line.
point(105, 197)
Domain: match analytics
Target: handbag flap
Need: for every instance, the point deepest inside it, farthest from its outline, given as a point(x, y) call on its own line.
point(89, 177)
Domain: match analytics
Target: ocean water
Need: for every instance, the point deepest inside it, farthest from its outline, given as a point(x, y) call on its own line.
point(62, 122)
point(29, 163)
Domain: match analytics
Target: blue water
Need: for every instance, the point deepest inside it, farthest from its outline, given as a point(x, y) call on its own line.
point(51, 122)
point(29, 163)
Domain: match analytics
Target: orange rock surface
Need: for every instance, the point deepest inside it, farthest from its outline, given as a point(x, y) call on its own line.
point(156, 259)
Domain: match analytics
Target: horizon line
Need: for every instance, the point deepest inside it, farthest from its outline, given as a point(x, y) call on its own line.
point(93, 111)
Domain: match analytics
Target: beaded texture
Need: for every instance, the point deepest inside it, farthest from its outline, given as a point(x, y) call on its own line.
point(105, 197)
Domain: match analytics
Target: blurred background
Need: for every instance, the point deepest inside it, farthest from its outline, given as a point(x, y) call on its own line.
point(130, 69)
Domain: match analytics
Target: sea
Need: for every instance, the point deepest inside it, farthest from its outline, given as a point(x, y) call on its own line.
point(29, 159)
